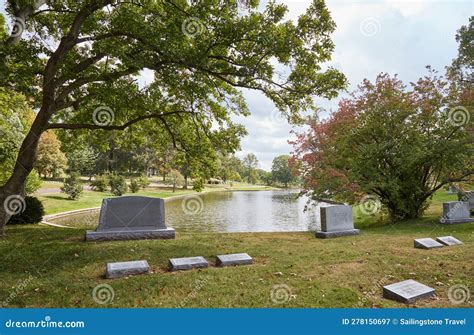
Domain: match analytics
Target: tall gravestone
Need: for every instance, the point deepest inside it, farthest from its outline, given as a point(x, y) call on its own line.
point(336, 221)
point(131, 218)
point(456, 212)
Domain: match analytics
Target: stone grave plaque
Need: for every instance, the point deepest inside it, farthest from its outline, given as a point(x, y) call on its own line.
point(407, 291)
point(123, 269)
point(233, 259)
point(448, 240)
point(187, 263)
point(427, 243)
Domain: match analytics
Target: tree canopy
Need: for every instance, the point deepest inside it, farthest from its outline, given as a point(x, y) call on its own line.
point(79, 62)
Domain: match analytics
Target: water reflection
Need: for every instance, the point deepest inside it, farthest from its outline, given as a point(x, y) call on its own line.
point(241, 211)
point(245, 211)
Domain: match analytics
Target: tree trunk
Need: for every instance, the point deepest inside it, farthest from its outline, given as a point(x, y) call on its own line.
point(185, 187)
point(15, 185)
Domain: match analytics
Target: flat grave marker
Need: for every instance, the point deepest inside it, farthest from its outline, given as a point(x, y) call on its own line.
point(448, 240)
point(407, 291)
point(427, 243)
point(187, 263)
point(233, 259)
point(123, 269)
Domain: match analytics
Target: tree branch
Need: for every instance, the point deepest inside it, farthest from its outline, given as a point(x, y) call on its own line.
point(115, 127)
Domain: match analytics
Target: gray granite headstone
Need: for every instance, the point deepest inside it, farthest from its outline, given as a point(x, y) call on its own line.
point(448, 240)
point(123, 269)
point(456, 212)
point(336, 220)
point(233, 259)
point(131, 218)
point(407, 291)
point(187, 263)
point(427, 243)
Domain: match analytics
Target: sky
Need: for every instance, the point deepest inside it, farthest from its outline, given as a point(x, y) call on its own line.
point(398, 37)
point(372, 36)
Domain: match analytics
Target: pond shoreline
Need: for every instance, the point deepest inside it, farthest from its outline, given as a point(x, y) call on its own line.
point(47, 218)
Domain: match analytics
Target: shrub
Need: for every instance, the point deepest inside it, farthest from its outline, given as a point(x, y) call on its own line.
point(33, 212)
point(198, 184)
point(134, 186)
point(72, 186)
point(143, 181)
point(118, 185)
point(100, 183)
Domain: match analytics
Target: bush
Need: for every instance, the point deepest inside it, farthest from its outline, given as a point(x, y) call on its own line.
point(100, 183)
point(33, 212)
point(134, 186)
point(198, 184)
point(72, 186)
point(143, 181)
point(118, 185)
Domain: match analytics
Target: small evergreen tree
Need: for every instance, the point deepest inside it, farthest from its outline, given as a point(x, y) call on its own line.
point(72, 186)
point(134, 186)
point(118, 184)
point(143, 181)
point(100, 183)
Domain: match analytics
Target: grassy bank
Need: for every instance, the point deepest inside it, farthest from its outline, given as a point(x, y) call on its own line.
point(52, 267)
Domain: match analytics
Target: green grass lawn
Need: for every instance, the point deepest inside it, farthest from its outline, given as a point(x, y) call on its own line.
point(57, 203)
point(52, 267)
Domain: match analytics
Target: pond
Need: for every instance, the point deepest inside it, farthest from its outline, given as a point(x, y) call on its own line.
point(238, 211)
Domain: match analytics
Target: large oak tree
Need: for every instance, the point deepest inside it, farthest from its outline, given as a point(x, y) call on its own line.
point(78, 63)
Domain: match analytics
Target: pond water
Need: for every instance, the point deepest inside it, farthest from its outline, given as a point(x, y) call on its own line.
point(239, 211)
